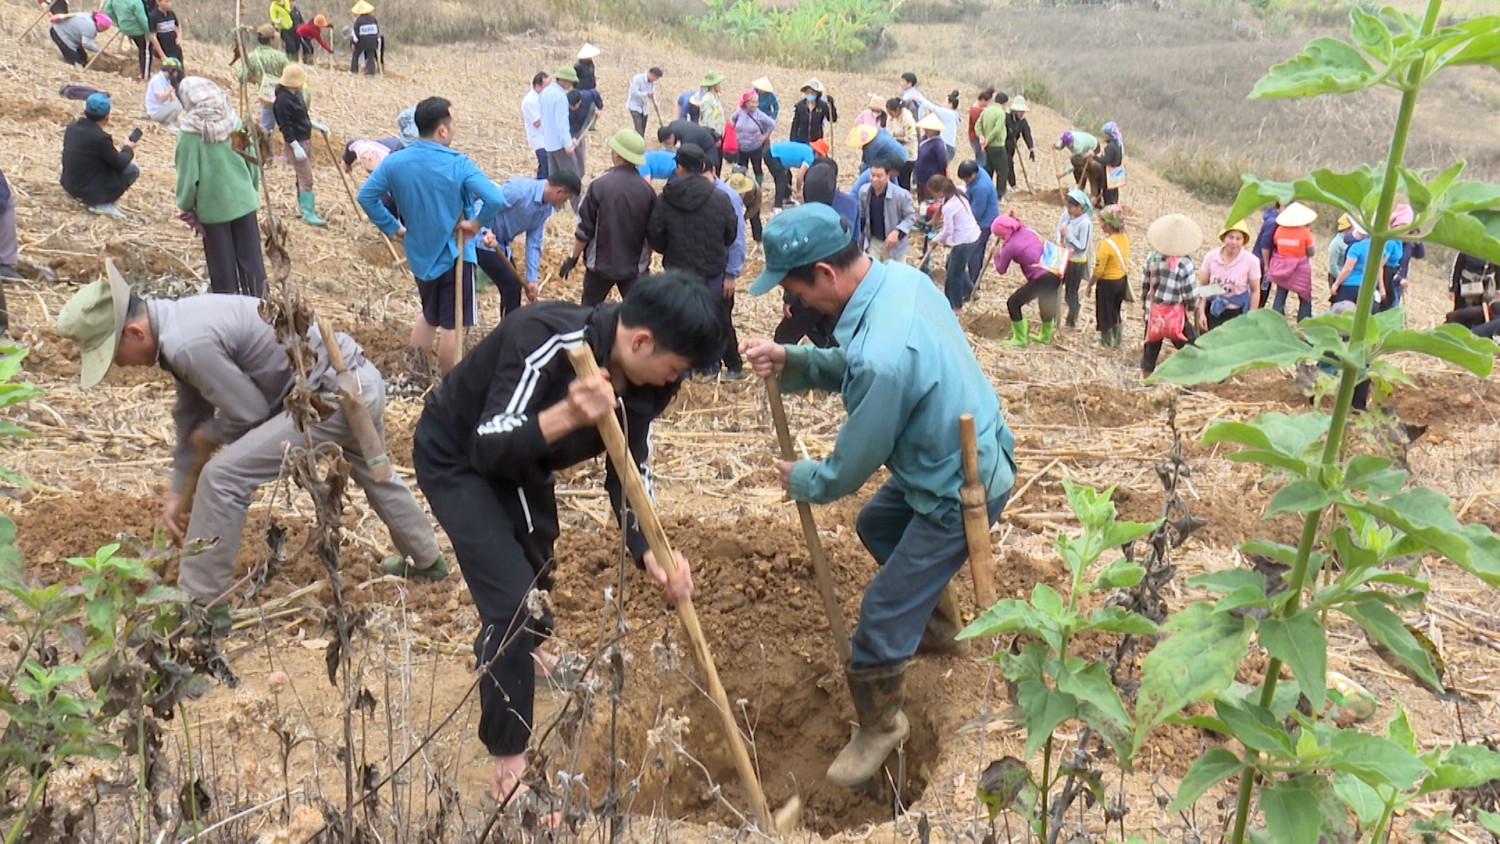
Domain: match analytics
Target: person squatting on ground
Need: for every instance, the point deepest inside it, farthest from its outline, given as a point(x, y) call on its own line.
point(525, 205)
point(612, 222)
point(960, 233)
point(435, 187)
point(1075, 228)
point(93, 171)
point(297, 127)
point(906, 373)
point(510, 416)
point(232, 376)
point(134, 23)
point(220, 188)
point(369, 41)
point(1023, 247)
point(749, 192)
point(1109, 282)
point(162, 104)
point(1167, 279)
point(74, 35)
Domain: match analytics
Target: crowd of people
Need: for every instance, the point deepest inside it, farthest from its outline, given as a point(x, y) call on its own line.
point(504, 418)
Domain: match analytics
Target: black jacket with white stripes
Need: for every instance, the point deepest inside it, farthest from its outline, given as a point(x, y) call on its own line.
point(488, 405)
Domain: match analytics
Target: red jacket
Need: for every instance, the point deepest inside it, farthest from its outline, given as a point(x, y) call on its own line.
point(315, 33)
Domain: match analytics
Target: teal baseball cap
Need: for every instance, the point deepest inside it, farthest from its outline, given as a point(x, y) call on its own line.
point(798, 237)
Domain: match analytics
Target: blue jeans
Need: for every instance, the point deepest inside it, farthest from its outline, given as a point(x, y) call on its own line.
point(1304, 306)
point(957, 285)
point(918, 555)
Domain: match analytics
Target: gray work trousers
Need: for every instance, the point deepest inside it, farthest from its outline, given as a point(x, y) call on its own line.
point(230, 479)
point(10, 248)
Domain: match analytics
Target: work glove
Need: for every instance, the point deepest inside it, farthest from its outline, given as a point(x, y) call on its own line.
point(298, 152)
point(567, 266)
point(319, 126)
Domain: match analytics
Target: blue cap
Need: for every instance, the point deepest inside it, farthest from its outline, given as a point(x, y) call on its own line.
point(97, 105)
point(798, 237)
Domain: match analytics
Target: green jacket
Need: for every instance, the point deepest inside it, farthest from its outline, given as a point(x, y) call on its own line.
point(906, 373)
point(264, 62)
point(214, 181)
point(128, 15)
point(990, 127)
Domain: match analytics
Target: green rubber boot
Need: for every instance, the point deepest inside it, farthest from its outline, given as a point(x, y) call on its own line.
point(1116, 336)
point(306, 201)
point(1044, 337)
point(1017, 333)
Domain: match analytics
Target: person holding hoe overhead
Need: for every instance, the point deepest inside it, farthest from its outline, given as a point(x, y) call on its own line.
point(497, 430)
point(906, 373)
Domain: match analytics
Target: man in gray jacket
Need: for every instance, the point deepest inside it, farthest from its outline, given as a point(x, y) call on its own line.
point(886, 215)
point(232, 377)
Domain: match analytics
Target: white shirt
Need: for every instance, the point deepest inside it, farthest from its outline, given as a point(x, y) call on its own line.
point(959, 226)
point(950, 122)
point(159, 85)
point(641, 87)
point(531, 116)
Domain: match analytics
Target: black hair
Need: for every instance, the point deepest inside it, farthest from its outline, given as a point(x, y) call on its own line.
point(968, 169)
point(574, 97)
point(953, 98)
point(844, 258)
point(1002, 98)
point(883, 165)
point(680, 313)
point(691, 158)
point(940, 185)
point(821, 181)
point(656, 71)
point(987, 94)
point(663, 133)
point(264, 39)
point(893, 104)
point(909, 77)
point(541, 76)
point(135, 309)
point(560, 178)
point(432, 113)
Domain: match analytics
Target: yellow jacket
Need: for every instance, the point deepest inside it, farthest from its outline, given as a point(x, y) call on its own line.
point(281, 14)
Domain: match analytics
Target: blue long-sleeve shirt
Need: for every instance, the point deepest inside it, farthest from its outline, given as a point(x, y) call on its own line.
point(522, 211)
point(434, 187)
point(769, 104)
point(983, 200)
point(736, 259)
point(555, 134)
point(884, 148)
point(906, 373)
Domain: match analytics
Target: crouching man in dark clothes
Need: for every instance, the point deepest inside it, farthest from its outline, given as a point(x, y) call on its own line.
point(512, 413)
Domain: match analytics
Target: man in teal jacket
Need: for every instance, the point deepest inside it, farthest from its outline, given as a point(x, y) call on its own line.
point(906, 373)
point(434, 187)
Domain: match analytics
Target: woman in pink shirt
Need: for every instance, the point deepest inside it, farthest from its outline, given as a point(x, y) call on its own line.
point(1236, 272)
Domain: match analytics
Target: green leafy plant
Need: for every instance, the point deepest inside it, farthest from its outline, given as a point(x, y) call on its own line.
point(1049, 685)
point(817, 33)
point(1362, 519)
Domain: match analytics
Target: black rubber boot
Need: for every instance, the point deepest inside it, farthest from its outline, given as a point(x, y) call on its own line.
point(942, 626)
point(878, 694)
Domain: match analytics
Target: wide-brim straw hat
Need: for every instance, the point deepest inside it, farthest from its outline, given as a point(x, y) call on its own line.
point(712, 78)
point(740, 183)
point(1295, 215)
point(1345, 223)
point(93, 319)
point(1018, 103)
point(876, 102)
point(813, 85)
point(265, 31)
point(763, 84)
point(1175, 235)
point(588, 51)
point(931, 122)
point(1238, 226)
point(862, 135)
point(361, 8)
point(294, 77)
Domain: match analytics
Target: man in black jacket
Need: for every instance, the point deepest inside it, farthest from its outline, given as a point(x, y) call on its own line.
point(611, 232)
point(693, 223)
point(508, 417)
point(93, 171)
point(680, 132)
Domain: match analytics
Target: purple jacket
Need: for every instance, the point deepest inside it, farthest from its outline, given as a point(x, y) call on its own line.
point(1021, 245)
point(749, 126)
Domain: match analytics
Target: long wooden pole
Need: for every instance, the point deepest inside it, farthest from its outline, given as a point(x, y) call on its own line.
point(810, 528)
point(1021, 160)
point(458, 299)
point(102, 50)
point(46, 13)
point(976, 512)
point(582, 358)
point(349, 191)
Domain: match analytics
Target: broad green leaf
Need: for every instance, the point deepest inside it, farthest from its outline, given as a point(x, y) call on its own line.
point(1229, 580)
point(1255, 727)
point(1359, 796)
point(1292, 813)
point(1093, 507)
point(1001, 783)
point(1462, 766)
point(1044, 708)
point(1371, 34)
point(1456, 344)
point(1006, 616)
point(1120, 620)
point(1299, 496)
point(1325, 66)
point(1481, 45)
point(1369, 472)
point(1399, 730)
point(1425, 515)
point(1213, 767)
point(1195, 662)
point(1121, 574)
point(1092, 684)
point(1257, 340)
point(1120, 534)
point(1489, 820)
point(1046, 600)
point(1476, 232)
point(1386, 629)
point(1299, 641)
point(1375, 759)
point(1292, 435)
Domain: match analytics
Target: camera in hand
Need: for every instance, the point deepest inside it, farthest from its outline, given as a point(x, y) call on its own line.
point(135, 135)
